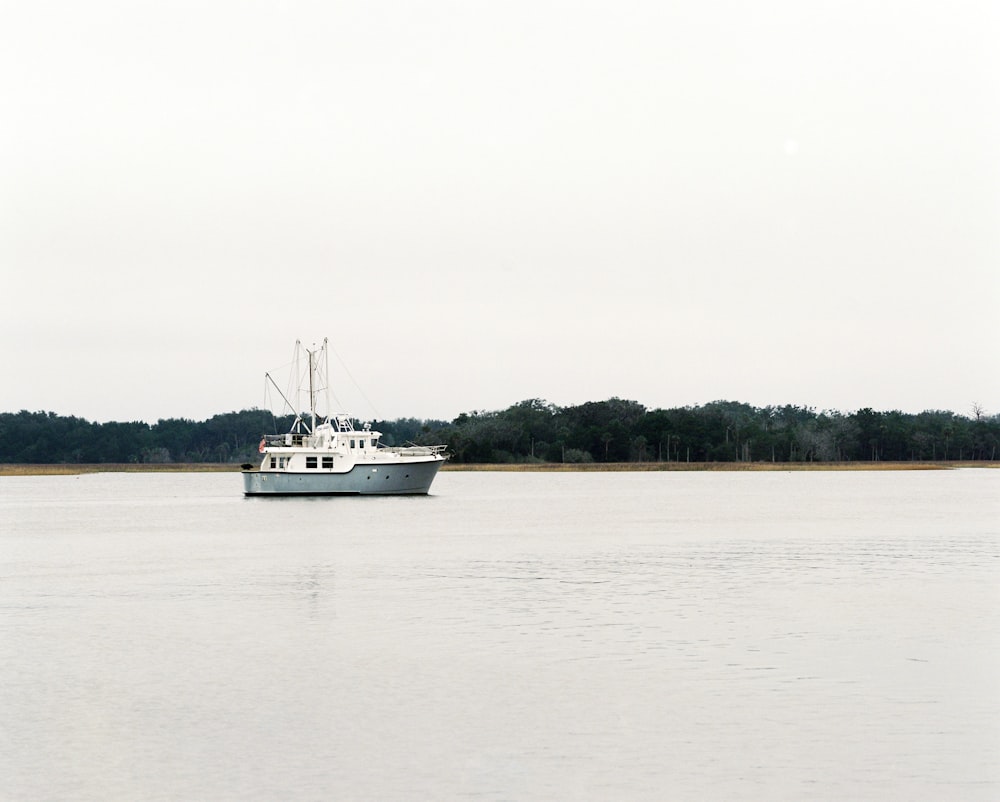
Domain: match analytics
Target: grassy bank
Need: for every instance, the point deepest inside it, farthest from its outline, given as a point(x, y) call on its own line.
point(727, 466)
point(216, 467)
point(110, 467)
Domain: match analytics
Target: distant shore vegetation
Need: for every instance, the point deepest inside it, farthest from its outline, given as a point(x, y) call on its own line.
point(534, 432)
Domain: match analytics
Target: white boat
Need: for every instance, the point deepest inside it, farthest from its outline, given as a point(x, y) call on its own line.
point(326, 455)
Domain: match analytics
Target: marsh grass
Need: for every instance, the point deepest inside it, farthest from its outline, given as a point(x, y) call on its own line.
point(550, 467)
point(723, 466)
point(72, 469)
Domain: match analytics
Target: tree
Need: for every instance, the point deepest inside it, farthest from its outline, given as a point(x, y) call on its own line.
point(615, 430)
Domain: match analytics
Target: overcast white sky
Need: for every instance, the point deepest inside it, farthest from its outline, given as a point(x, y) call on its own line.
point(481, 202)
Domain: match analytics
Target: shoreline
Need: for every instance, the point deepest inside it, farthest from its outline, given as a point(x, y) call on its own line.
point(65, 469)
point(610, 467)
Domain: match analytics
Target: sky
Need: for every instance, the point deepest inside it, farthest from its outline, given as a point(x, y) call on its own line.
point(478, 203)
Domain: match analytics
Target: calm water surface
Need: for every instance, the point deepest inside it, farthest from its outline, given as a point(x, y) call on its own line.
point(512, 636)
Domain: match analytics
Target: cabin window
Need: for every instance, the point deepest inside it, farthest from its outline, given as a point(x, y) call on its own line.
point(327, 462)
point(281, 462)
point(274, 462)
point(354, 443)
point(310, 462)
point(361, 443)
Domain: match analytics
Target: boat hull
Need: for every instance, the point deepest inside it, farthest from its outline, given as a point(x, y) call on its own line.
point(394, 479)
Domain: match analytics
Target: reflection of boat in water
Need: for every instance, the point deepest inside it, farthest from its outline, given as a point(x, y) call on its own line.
point(328, 456)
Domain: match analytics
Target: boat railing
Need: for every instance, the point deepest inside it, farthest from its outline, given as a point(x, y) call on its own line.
point(289, 439)
point(415, 451)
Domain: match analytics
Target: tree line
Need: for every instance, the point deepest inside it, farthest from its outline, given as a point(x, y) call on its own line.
point(615, 430)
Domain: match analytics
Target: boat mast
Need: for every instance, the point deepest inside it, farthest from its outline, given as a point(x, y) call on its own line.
point(297, 379)
point(312, 391)
point(326, 375)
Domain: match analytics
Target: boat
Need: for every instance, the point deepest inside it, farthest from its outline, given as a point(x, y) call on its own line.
point(325, 454)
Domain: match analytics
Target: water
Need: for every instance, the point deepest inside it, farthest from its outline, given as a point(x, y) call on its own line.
point(512, 636)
